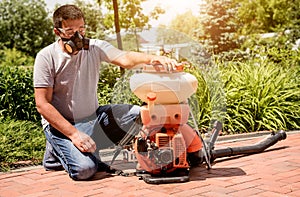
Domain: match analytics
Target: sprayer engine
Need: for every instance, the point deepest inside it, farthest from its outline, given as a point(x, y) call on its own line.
point(162, 152)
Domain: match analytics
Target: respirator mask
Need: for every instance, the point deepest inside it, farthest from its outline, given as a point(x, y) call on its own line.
point(76, 43)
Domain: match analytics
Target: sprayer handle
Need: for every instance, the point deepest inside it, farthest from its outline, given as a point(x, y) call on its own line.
point(159, 68)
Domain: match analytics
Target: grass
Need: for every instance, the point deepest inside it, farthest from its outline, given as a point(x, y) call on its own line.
point(20, 141)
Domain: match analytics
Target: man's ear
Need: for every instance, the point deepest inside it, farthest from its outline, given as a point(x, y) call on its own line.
point(56, 31)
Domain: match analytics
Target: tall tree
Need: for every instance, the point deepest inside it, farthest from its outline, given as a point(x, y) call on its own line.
point(93, 16)
point(131, 16)
point(264, 16)
point(261, 16)
point(117, 24)
point(218, 27)
point(25, 25)
point(189, 20)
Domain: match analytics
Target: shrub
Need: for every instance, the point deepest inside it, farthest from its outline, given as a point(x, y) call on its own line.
point(13, 57)
point(208, 104)
point(17, 94)
point(261, 95)
point(109, 75)
point(16, 86)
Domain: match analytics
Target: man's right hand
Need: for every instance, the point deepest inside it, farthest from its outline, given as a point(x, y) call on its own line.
point(83, 142)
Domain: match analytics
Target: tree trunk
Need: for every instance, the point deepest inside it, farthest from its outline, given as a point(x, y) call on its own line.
point(117, 27)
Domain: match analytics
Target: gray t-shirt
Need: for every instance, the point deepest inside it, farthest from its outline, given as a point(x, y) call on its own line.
point(74, 78)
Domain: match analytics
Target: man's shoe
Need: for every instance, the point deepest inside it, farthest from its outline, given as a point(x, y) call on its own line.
point(103, 167)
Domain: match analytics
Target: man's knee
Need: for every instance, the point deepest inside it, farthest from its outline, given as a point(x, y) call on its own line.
point(83, 170)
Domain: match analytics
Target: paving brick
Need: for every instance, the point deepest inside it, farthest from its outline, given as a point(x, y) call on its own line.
point(9, 192)
point(246, 192)
point(294, 193)
point(269, 193)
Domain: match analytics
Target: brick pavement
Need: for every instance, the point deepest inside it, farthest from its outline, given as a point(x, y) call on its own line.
point(275, 172)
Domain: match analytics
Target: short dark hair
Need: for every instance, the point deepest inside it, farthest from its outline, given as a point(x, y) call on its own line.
point(66, 12)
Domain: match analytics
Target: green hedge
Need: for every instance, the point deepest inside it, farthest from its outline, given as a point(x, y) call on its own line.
point(17, 94)
point(16, 86)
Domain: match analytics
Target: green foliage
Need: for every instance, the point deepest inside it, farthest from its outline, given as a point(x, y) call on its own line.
point(199, 103)
point(25, 25)
point(225, 22)
point(20, 141)
point(16, 89)
point(258, 17)
point(93, 17)
point(261, 16)
point(128, 15)
point(114, 88)
point(122, 93)
point(261, 94)
point(132, 19)
point(218, 27)
point(209, 102)
point(109, 75)
point(13, 57)
point(189, 20)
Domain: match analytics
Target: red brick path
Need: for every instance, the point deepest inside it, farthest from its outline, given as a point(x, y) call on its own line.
point(275, 172)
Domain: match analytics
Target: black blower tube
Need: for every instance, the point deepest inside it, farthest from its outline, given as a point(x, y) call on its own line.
point(251, 149)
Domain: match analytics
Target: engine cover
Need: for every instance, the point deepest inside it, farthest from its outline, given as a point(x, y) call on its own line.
point(162, 153)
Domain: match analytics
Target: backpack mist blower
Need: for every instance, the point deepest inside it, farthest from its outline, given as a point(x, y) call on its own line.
point(166, 146)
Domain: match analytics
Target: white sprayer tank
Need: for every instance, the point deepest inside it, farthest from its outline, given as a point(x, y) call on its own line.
point(170, 88)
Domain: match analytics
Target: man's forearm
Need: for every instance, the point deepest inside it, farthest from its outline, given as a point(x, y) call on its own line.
point(131, 59)
point(56, 120)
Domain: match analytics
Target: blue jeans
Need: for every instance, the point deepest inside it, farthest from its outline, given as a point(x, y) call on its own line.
point(107, 127)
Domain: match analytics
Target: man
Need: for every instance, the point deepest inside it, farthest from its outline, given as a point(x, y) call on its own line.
point(66, 74)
